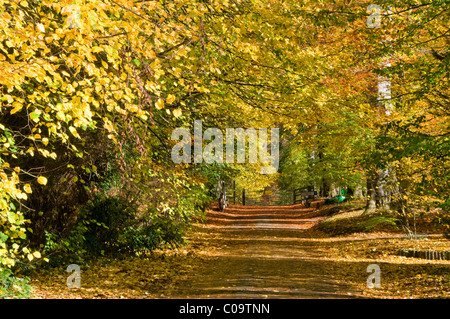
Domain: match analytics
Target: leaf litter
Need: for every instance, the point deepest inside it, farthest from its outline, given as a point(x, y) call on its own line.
point(283, 256)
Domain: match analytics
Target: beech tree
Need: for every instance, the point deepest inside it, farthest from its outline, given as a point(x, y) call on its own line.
point(93, 89)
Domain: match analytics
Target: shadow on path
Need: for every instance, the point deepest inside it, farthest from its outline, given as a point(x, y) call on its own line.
point(262, 254)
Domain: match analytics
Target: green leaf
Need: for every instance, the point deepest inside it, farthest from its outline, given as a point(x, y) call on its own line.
point(61, 116)
point(136, 62)
point(34, 116)
point(11, 217)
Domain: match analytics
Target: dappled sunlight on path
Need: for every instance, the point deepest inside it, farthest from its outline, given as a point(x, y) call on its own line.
point(261, 253)
point(268, 217)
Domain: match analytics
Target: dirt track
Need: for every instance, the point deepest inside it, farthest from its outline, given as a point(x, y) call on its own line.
point(262, 252)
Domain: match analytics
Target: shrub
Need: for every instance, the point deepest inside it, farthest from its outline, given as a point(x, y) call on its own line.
point(111, 225)
point(65, 249)
point(12, 287)
point(107, 219)
point(444, 220)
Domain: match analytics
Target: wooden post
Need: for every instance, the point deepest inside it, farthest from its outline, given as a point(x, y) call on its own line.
point(243, 196)
point(234, 192)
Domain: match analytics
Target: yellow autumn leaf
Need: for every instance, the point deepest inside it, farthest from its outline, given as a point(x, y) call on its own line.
point(177, 113)
point(27, 188)
point(30, 151)
point(42, 180)
point(40, 27)
point(16, 107)
point(170, 99)
point(109, 126)
point(37, 254)
point(177, 71)
point(74, 131)
point(159, 104)
point(8, 98)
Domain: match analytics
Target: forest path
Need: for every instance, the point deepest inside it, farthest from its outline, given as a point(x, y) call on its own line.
point(261, 252)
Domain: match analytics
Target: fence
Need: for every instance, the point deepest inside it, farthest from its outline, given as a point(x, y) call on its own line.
point(425, 254)
point(269, 197)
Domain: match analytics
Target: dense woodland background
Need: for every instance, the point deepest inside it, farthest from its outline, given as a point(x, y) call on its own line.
point(91, 91)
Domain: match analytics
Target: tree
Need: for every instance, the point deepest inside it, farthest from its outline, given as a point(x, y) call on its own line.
point(92, 90)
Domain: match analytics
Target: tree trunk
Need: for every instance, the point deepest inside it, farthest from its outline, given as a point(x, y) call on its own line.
point(333, 191)
point(378, 193)
point(383, 194)
point(358, 191)
point(371, 203)
point(325, 189)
